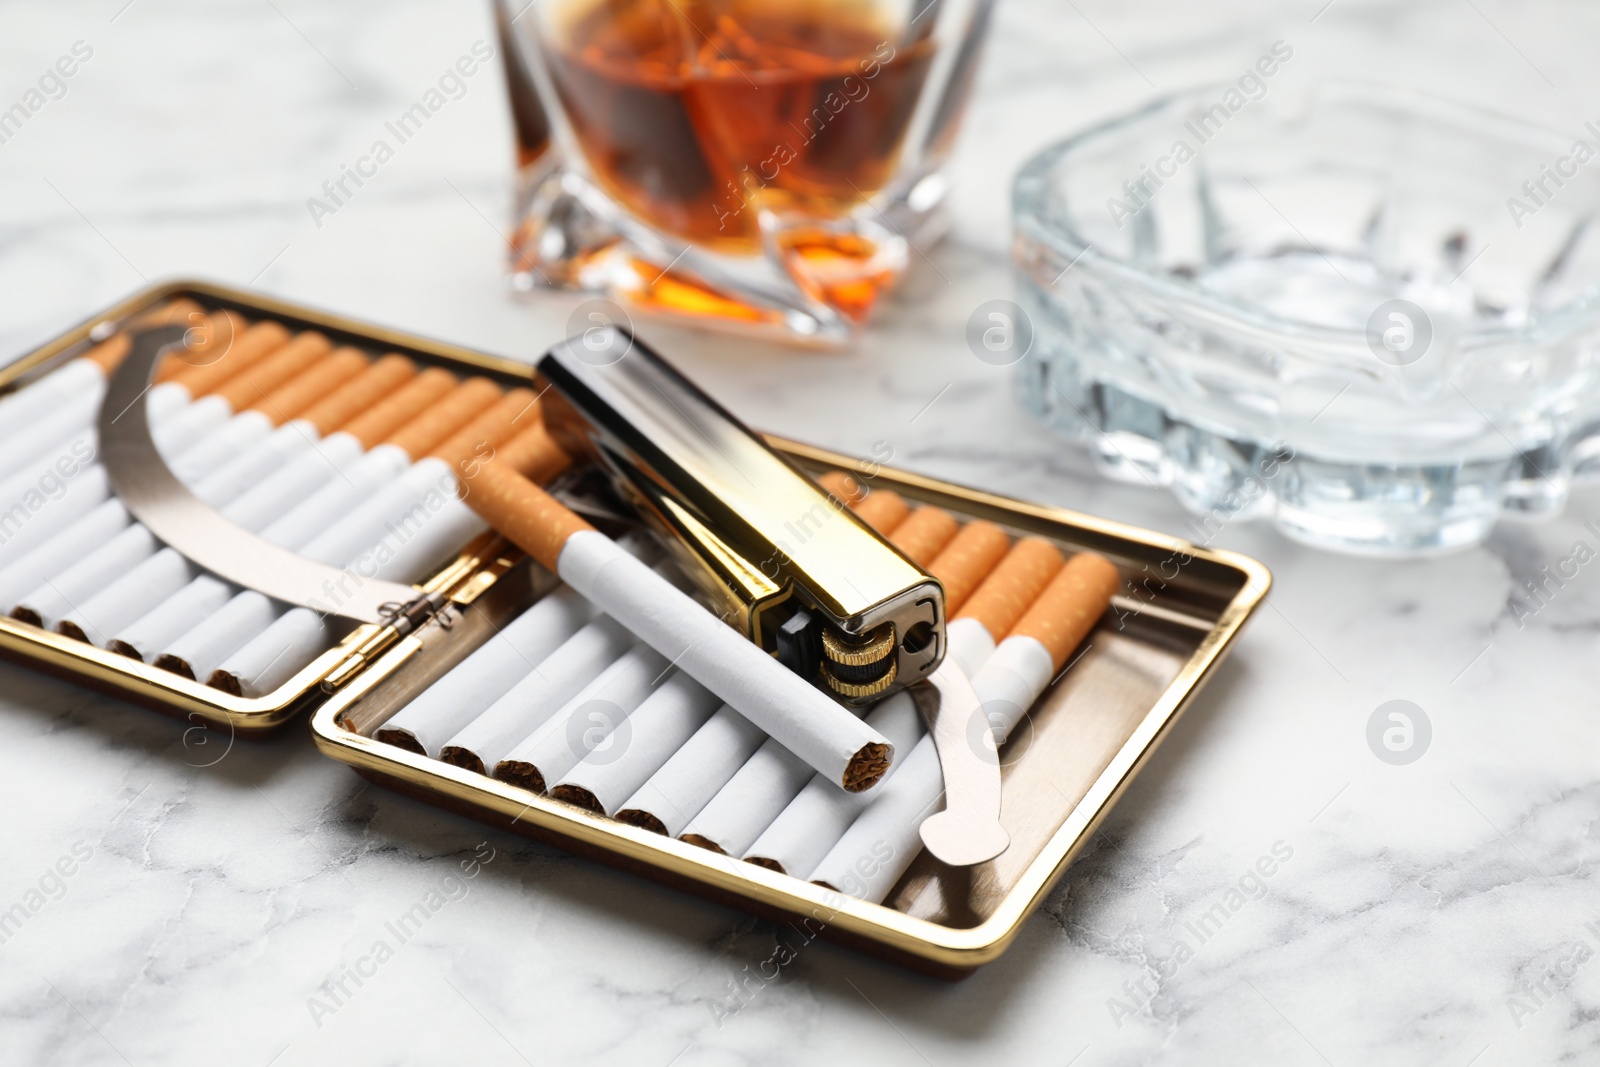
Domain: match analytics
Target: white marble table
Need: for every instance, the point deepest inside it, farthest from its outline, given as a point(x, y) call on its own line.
point(1441, 912)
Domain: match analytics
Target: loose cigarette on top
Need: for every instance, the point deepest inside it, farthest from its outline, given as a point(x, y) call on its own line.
point(278, 452)
point(204, 648)
point(481, 743)
point(160, 572)
point(691, 777)
point(439, 712)
point(875, 852)
point(590, 717)
point(797, 839)
point(400, 534)
point(608, 776)
point(799, 716)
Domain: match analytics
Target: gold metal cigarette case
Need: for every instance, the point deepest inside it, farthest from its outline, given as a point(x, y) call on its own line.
point(1079, 748)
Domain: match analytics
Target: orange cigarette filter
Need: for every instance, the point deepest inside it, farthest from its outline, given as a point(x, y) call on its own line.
point(525, 514)
point(1070, 606)
point(253, 375)
point(378, 422)
point(206, 333)
point(883, 510)
point(924, 533)
point(1012, 586)
point(109, 354)
point(845, 488)
point(534, 454)
point(300, 392)
point(359, 394)
point(967, 560)
point(225, 349)
point(453, 411)
point(488, 428)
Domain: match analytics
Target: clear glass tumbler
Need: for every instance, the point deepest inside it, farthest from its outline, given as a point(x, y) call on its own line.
point(761, 165)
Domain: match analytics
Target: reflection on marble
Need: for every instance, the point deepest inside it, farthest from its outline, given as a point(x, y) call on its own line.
point(1438, 912)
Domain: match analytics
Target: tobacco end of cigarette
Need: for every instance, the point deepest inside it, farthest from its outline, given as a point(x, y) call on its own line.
point(883, 510)
point(122, 648)
point(703, 842)
point(579, 797)
point(68, 628)
point(176, 666)
point(1002, 598)
point(225, 681)
point(765, 863)
point(867, 767)
point(454, 755)
point(643, 820)
point(400, 739)
point(845, 488)
point(518, 772)
point(923, 535)
point(1070, 606)
point(26, 614)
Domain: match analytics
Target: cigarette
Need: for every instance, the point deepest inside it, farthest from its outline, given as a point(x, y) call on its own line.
point(844, 488)
point(517, 656)
point(883, 510)
point(999, 602)
point(755, 795)
point(174, 616)
point(1014, 677)
point(420, 511)
point(687, 782)
point(101, 547)
point(60, 439)
point(447, 706)
point(585, 720)
point(799, 716)
point(201, 649)
point(617, 769)
point(102, 566)
point(924, 533)
point(796, 840)
point(78, 386)
point(163, 572)
point(84, 377)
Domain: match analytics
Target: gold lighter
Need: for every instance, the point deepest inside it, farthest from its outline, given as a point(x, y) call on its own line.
point(801, 576)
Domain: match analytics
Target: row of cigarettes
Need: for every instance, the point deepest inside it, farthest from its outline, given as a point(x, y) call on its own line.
point(342, 457)
point(570, 703)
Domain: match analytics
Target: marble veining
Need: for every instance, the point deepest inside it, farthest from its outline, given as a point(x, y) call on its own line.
point(223, 901)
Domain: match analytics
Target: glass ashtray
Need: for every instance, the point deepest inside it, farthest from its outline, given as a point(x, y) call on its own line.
point(1364, 313)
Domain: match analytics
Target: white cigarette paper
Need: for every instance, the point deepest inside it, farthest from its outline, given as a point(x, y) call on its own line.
point(799, 716)
point(529, 703)
point(618, 767)
point(587, 718)
point(446, 707)
point(873, 854)
point(756, 794)
point(100, 525)
point(22, 410)
point(687, 782)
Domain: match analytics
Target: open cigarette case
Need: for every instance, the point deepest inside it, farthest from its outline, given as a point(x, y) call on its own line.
point(1076, 750)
